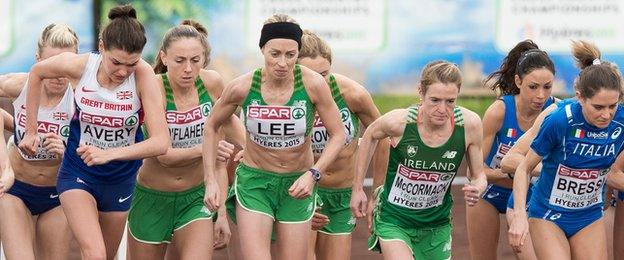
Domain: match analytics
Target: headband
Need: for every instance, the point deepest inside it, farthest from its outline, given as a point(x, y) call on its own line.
point(281, 30)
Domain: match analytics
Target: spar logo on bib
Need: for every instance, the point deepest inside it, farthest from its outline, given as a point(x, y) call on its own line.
point(65, 131)
point(180, 118)
point(206, 108)
point(131, 121)
point(345, 115)
point(108, 121)
point(42, 126)
point(577, 188)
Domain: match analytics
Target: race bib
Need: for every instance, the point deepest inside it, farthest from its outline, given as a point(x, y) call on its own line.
point(107, 131)
point(498, 156)
point(320, 135)
point(418, 189)
point(186, 129)
point(577, 188)
point(276, 127)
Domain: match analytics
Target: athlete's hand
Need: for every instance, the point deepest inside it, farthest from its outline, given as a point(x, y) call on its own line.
point(29, 143)
point(319, 220)
point(518, 230)
point(224, 151)
point(358, 203)
point(369, 214)
point(6, 181)
point(92, 155)
point(53, 144)
point(471, 194)
point(211, 196)
point(303, 186)
point(221, 231)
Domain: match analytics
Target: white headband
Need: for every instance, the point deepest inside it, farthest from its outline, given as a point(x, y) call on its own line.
point(596, 61)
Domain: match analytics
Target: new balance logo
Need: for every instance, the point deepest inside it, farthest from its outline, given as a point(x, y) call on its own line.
point(449, 154)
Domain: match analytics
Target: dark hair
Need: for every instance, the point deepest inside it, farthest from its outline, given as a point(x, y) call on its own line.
point(524, 58)
point(595, 74)
point(187, 29)
point(124, 32)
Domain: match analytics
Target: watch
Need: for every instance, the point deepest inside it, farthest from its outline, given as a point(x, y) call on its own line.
point(316, 174)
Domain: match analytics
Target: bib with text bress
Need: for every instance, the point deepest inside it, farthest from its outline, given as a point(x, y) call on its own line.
point(577, 188)
point(278, 126)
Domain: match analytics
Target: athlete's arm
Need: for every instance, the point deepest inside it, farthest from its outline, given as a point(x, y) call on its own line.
point(492, 123)
point(11, 84)
point(7, 119)
point(517, 152)
point(328, 112)
point(232, 96)
point(151, 103)
point(519, 226)
point(391, 124)
point(474, 158)
point(320, 95)
point(363, 106)
point(6, 171)
point(66, 64)
point(616, 176)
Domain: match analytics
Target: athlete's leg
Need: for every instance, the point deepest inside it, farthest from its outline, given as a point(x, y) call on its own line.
point(194, 241)
point(608, 218)
point(233, 248)
point(549, 241)
point(290, 243)
point(254, 232)
point(590, 242)
point(527, 253)
point(113, 225)
point(395, 250)
point(140, 250)
point(482, 222)
point(82, 215)
point(53, 235)
point(618, 231)
point(312, 245)
point(16, 227)
point(333, 246)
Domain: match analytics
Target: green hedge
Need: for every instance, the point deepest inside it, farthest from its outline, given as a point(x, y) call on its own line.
point(386, 103)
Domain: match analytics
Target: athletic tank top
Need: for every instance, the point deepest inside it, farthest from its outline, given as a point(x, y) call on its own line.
point(105, 119)
point(50, 120)
point(278, 126)
point(350, 121)
point(186, 128)
point(576, 159)
point(416, 192)
point(509, 132)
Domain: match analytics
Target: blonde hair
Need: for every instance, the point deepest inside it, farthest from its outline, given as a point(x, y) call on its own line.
point(57, 36)
point(280, 18)
point(313, 46)
point(440, 72)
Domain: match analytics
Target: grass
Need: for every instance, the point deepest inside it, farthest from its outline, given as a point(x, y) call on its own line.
point(386, 103)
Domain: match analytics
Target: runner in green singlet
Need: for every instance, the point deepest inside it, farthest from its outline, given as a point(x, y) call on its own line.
point(412, 218)
point(168, 205)
point(276, 178)
point(334, 220)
